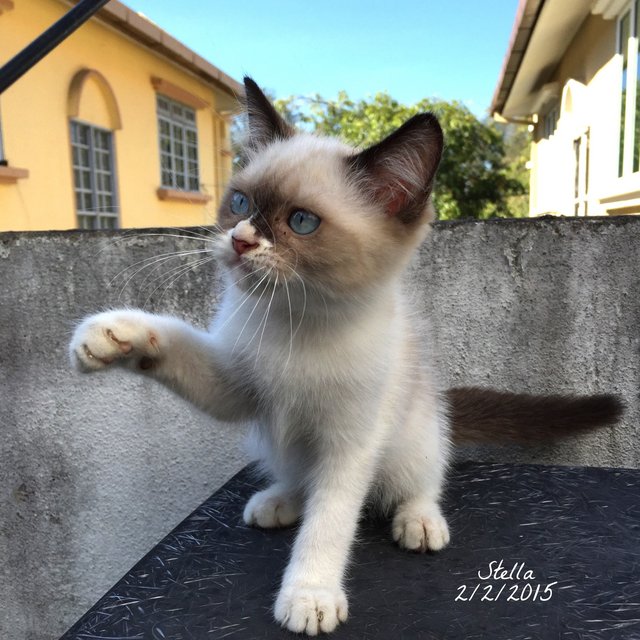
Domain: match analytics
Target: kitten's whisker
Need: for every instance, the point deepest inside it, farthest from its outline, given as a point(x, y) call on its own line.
point(266, 319)
point(165, 276)
point(134, 236)
point(178, 272)
point(188, 268)
point(255, 306)
point(153, 259)
point(326, 309)
point(304, 300)
point(233, 283)
point(217, 228)
point(152, 263)
point(244, 299)
point(169, 273)
point(208, 235)
point(286, 286)
point(156, 234)
point(173, 269)
point(255, 333)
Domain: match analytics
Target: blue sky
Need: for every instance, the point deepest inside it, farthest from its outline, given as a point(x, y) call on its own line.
point(412, 49)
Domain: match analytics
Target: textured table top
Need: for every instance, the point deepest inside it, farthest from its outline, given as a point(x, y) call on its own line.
point(536, 553)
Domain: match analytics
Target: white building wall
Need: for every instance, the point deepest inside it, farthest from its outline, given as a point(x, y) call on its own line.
point(588, 93)
point(593, 111)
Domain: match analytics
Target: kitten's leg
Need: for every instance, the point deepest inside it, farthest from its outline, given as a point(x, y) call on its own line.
point(276, 506)
point(418, 524)
point(165, 348)
point(312, 597)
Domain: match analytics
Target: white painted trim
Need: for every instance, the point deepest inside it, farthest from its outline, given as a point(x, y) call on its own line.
point(630, 106)
point(628, 134)
point(572, 106)
point(609, 9)
point(622, 197)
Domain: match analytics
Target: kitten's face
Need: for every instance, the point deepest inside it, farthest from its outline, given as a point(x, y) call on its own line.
point(307, 219)
point(304, 212)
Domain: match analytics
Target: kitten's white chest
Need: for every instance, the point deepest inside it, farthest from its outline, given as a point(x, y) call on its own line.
point(293, 358)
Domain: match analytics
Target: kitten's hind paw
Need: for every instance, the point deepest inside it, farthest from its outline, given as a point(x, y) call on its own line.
point(113, 336)
point(420, 529)
point(272, 508)
point(309, 609)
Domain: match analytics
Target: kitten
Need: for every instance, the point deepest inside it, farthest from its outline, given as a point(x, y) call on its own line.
point(314, 346)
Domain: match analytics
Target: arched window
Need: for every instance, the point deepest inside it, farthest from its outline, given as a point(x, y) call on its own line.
point(94, 116)
point(576, 128)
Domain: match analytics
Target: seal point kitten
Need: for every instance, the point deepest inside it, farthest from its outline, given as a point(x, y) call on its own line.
point(315, 348)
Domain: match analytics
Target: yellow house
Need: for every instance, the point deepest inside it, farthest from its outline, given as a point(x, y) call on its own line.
point(120, 126)
point(572, 73)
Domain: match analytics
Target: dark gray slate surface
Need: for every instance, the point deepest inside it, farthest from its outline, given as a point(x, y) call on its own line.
point(565, 538)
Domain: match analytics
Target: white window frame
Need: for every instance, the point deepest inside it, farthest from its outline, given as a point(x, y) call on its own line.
point(628, 123)
point(178, 145)
point(99, 168)
point(550, 120)
point(581, 174)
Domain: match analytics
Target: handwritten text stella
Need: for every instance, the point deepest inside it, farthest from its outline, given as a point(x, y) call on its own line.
point(497, 571)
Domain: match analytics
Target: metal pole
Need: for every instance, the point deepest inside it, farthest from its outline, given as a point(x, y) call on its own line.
point(44, 43)
point(3, 160)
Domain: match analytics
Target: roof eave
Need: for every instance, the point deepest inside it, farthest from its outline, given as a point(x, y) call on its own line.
point(524, 23)
point(136, 26)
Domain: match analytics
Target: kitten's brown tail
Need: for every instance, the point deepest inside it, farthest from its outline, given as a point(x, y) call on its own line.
point(486, 415)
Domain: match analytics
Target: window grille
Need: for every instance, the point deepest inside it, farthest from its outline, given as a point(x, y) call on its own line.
point(178, 145)
point(94, 176)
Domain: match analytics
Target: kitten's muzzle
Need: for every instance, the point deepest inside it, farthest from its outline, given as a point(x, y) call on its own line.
point(242, 246)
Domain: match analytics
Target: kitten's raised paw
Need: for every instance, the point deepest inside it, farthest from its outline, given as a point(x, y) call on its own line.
point(304, 608)
point(420, 531)
point(272, 508)
point(105, 338)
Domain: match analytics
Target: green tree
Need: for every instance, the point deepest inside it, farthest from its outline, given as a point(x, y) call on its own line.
point(475, 179)
point(517, 145)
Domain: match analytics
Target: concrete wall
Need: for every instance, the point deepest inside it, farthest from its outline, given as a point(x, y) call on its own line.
point(547, 305)
point(95, 469)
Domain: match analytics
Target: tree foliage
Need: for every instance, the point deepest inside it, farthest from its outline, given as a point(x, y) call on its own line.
point(476, 179)
point(517, 145)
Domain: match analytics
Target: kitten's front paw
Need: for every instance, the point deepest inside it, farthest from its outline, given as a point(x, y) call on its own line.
point(310, 609)
point(418, 530)
point(272, 508)
point(105, 338)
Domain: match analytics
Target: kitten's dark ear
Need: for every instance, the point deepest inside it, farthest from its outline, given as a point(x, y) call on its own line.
point(265, 123)
point(399, 171)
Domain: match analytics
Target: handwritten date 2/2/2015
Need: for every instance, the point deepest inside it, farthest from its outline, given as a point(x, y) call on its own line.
point(511, 593)
point(513, 584)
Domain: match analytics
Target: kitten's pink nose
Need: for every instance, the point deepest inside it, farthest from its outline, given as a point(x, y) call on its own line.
point(242, 246)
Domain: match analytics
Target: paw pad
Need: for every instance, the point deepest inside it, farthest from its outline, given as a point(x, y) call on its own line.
point(123, 345)
point(145, 363)
point(303, 608)
point(417, 532)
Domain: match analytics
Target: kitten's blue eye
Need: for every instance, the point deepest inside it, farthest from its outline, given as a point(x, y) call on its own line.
point(239, 203)
point(303, 222)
